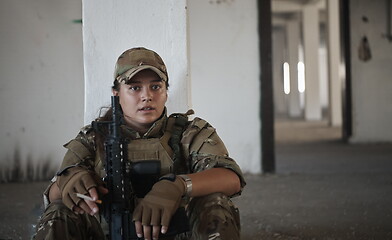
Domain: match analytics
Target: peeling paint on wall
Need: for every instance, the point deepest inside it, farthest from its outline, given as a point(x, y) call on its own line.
point(15, 169)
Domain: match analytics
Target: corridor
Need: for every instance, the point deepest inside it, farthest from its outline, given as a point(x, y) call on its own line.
point(322, 189)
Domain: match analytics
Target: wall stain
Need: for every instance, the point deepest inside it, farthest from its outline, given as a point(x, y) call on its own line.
point(26, 171)
point(220, 1)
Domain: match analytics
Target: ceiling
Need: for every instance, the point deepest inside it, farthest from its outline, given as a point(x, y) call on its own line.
point(284, 10)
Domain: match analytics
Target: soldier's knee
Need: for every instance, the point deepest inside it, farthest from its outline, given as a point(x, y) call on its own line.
point(214, 215)
point(217, 201)
point(58, 222)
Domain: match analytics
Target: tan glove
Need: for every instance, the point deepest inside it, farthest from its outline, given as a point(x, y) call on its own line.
point(76, 180)
point(159, 205)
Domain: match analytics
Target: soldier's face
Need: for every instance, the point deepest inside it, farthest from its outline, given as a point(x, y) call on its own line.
point(143, 99)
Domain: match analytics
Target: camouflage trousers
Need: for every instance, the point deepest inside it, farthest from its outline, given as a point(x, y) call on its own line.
point(212, 217)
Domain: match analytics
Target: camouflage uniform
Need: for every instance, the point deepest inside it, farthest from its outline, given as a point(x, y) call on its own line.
point(211, 217)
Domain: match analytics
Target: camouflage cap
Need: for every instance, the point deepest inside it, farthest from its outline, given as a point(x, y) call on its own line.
point(137, 59)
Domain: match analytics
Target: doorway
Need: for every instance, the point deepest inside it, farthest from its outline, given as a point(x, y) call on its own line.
point(305, 106)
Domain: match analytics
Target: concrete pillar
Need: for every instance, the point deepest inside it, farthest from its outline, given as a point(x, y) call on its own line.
point(110, 27)
point(293, 41)
point(311, 47)
point(225, 74)
point(278, 58)
point(335, 84)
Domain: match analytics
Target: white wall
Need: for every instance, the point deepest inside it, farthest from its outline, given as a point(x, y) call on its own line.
point(323, 76)
point(111, 27)
point(371, 80)
point(41, 79)
point(225, 74)
point(311, 42)
point(278, 58)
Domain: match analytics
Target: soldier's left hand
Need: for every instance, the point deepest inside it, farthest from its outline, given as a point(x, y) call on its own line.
point(155, 210)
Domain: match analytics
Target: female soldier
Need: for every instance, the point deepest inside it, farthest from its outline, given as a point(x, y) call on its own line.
point(210, 179)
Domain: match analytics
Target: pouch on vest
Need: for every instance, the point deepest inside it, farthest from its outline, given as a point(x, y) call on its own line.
point(144, 175)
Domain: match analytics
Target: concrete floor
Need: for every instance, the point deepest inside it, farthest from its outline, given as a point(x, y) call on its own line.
point(323, 189)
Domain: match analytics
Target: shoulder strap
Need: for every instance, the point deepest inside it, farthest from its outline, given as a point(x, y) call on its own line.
point(180, 123)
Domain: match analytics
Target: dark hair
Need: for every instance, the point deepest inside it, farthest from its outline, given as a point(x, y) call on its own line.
point(103, 131)
point(116, 85)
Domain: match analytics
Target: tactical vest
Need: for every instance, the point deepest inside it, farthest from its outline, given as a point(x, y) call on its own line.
point(166, 149)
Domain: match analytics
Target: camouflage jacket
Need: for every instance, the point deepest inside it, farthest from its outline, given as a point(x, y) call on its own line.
point(201, 147)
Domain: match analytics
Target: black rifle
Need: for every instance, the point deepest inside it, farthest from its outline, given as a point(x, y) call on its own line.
point(117, 208)
point(125, 180)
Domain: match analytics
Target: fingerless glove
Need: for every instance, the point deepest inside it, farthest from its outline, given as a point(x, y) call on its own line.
point(159, 205)
point(76, 180)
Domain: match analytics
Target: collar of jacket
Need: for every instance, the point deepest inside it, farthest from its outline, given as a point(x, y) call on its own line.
point(156, 130)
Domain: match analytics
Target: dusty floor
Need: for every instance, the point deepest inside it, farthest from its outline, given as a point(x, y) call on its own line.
point(323, 189)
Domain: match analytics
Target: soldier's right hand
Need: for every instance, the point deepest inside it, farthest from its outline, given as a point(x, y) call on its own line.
point(90, 206)
point(80, 180)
